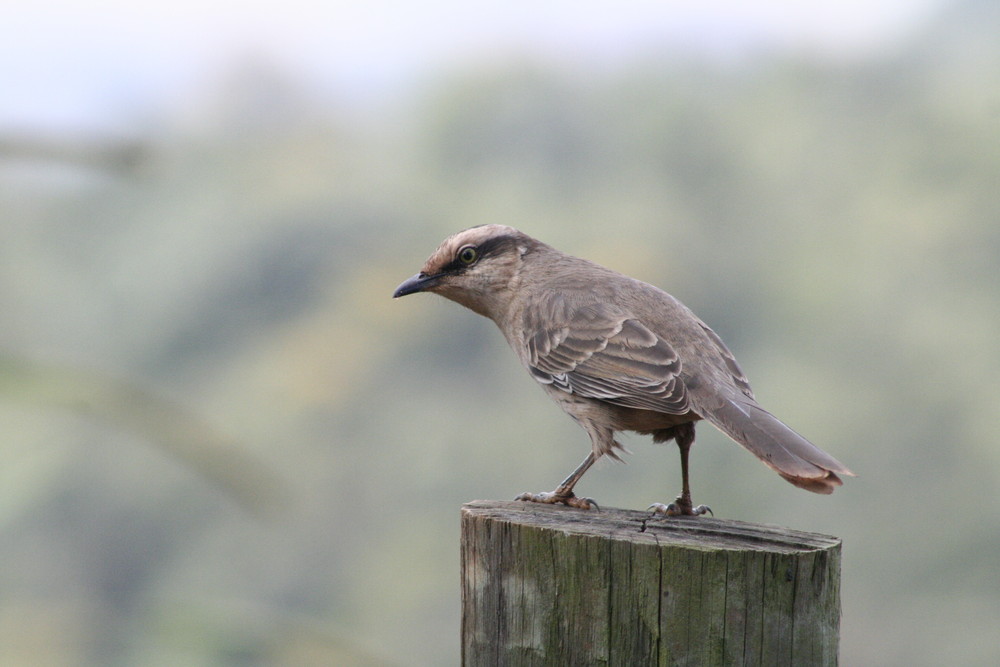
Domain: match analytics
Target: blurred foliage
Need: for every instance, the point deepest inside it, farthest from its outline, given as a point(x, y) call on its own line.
point(835, 222)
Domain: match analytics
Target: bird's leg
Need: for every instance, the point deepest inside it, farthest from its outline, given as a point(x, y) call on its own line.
point(682, 505)
point(564, 492)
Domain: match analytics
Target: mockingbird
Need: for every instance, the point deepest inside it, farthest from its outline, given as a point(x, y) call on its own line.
point(616, 354)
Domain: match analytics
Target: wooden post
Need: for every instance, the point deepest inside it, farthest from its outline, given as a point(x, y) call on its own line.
point(551, 585)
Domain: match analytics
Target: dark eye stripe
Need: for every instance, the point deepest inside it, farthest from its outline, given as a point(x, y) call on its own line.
point(491, 246)
point(496, 245)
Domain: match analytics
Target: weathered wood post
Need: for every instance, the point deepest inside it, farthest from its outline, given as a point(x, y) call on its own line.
point(547, 585)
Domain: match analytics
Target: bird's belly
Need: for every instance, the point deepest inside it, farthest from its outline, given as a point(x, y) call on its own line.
point(646, 421)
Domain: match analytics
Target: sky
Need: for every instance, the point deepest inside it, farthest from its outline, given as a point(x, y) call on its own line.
point(72, 64)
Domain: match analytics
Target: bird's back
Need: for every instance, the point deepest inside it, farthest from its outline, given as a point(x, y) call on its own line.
point(570, 292)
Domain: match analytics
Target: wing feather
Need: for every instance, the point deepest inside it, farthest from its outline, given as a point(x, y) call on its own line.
point(601, 354)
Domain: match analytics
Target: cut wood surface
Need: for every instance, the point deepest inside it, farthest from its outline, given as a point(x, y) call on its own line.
point(545, 584)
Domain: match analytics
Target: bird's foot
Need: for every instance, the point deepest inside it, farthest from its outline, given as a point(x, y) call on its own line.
point(554, 497)
point(681, 507)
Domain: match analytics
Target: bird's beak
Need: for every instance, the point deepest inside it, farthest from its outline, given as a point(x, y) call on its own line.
point(413, 284)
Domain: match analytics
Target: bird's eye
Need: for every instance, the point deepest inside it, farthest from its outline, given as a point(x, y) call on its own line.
point(468, 255)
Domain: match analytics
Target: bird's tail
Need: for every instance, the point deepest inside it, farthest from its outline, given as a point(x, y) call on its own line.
point(780, 448)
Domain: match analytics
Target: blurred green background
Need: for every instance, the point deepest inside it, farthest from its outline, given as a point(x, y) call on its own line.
point(225, 444)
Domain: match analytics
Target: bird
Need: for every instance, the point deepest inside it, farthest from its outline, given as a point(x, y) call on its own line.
point(616, 354)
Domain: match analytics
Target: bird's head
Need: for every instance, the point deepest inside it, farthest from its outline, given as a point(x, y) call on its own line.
point(478, 268)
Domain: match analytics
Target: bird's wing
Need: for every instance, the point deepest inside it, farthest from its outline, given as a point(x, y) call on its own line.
point(597, 352)
point(736, 373)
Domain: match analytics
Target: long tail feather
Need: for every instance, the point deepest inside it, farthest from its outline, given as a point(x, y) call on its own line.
point(780, 448)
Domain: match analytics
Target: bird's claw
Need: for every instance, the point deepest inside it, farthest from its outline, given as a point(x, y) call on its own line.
point(552, 498)
point(680, 509)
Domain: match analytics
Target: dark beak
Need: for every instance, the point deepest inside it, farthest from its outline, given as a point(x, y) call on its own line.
point(417, 283)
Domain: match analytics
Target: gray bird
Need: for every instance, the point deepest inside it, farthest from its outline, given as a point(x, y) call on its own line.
point(616, 354)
